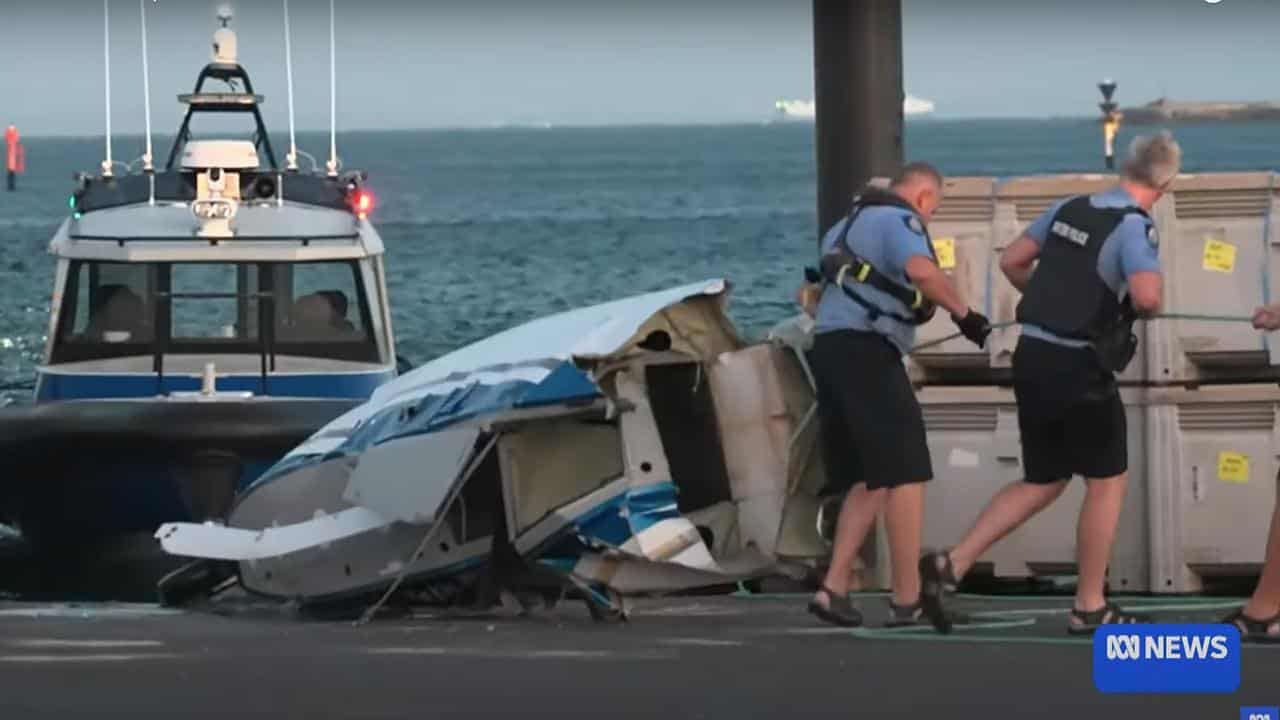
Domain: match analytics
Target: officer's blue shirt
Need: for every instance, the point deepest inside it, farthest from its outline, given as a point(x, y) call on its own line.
point(886, 237)
point(1131, 248)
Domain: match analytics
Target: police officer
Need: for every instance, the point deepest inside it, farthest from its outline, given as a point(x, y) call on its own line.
point(882, 281)
point(1259, 619)
point(1098, 270)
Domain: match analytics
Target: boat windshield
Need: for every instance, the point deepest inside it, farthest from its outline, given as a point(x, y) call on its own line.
point(314, 309)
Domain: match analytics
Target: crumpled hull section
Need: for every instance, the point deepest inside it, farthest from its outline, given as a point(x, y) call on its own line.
point(657, 454)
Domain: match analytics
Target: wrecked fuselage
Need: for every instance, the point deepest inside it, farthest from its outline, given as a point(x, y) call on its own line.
point(634, 447)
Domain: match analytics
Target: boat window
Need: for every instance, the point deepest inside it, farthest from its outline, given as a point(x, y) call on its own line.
point(108, 303)
point(313, 309)
point(213, 301)
point(317, 303)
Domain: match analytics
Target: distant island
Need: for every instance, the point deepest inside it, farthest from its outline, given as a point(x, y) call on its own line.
point(1165, 110)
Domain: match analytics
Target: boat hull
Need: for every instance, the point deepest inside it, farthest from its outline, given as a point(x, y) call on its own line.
point(86, 470)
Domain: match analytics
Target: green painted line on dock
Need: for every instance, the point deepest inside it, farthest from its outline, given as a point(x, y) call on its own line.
point(1136, 600)
point(1172, 607)
point(908, 630)
point(964, 628)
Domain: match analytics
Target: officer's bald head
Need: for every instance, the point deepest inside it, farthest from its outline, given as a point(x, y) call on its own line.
point(920, 184)
point(1153, 162)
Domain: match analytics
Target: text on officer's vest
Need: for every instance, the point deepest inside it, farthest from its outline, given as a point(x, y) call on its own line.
point(1075, 235)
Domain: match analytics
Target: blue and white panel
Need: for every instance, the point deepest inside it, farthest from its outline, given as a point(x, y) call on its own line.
point(527, 366)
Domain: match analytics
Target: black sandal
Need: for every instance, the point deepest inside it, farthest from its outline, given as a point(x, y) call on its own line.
point(839, 610)
point(1086, 623)
point(907, 615)
point(1255, 630)
point(937, 577)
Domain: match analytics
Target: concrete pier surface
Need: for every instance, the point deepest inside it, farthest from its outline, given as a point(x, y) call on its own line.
point(688, 657)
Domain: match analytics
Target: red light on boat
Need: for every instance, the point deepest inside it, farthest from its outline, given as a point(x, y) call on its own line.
point(362, 202)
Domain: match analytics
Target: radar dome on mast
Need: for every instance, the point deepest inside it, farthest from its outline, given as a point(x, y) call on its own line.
point(224, 38)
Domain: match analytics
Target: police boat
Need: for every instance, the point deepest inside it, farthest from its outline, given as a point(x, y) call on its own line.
point(635, 447)
point(206, 316)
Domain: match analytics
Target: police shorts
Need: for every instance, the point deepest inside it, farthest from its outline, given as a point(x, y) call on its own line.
point(1070, 416)
point(871, 426)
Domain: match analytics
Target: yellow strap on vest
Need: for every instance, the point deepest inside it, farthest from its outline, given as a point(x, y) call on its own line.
point(861, 274)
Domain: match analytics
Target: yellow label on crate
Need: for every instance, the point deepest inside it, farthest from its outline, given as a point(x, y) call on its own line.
point(946, 250)
point(1219, 255)
point(1233, 467)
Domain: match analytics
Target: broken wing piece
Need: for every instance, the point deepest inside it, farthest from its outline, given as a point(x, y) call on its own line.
point(406, 480)
point(218, 542)
point(410, 479)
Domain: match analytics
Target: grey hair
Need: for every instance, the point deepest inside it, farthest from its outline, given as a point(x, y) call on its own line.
point(1154, 160)
point(917, 171)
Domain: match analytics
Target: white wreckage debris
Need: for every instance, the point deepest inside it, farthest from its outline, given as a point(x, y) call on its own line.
point(634, 447)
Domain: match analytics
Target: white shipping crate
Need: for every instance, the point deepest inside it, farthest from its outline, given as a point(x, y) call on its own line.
point(1212, 456)
point(974, 445)
point(1218, 255)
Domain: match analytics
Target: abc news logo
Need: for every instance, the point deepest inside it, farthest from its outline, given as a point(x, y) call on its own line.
point(1167, 647)
point(1176, 658)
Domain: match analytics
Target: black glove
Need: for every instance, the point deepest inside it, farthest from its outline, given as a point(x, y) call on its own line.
point(974, 326)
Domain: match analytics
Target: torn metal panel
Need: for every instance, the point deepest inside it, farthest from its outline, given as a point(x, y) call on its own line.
point(755, 429)
point(646, 462)
point(410, 479)
point(541, 477)
point(562, 520)
point(798, 533)
point(218, 542)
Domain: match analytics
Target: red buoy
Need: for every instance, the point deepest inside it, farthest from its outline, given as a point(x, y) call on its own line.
point(15, 158)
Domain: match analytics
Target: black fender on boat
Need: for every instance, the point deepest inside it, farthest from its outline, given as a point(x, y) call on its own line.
point(254, 427)
point(50, 452)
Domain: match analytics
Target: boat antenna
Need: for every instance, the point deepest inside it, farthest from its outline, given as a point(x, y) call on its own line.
point(332, 165)
point(147, 166)
point(106, 69)
point(292, 158)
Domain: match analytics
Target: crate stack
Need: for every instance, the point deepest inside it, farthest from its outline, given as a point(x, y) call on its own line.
point(1212, 397)
point(1202, 394)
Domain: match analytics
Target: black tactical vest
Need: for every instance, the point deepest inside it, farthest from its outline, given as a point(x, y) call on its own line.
point(1066, 295)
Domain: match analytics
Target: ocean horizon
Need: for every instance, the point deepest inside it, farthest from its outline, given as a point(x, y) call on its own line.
point(486, 228)
point(138, 135)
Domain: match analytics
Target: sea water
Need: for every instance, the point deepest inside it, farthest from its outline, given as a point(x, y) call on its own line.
point(486, 229)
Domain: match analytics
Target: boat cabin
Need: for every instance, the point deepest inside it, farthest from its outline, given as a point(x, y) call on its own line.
point(221, 273)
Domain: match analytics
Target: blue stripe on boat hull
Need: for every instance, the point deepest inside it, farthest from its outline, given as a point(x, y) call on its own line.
point(60, 386)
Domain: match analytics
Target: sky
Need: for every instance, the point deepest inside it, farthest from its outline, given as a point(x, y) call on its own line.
point(481, 63)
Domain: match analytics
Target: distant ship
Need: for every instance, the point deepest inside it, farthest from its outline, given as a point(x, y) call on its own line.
point(806, 109)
